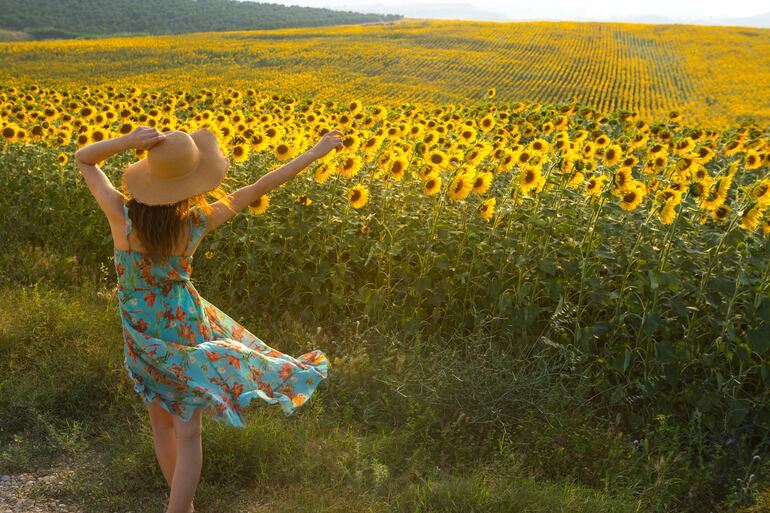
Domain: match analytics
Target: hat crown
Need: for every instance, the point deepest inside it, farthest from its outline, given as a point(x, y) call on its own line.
point(175, 156)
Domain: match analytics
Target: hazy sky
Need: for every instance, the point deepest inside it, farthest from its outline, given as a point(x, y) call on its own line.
point(503, 10)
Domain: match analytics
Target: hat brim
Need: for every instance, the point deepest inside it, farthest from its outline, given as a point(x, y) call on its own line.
point(208, 174)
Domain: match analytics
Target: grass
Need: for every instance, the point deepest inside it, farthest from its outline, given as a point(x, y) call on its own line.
point(398, 426)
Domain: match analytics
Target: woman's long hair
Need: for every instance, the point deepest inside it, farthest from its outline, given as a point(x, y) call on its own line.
point(159, 227)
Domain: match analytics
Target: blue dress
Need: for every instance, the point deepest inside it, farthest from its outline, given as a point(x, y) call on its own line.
point(185, 352)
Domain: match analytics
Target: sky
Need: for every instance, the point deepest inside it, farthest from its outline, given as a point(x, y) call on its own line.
point(511, 10)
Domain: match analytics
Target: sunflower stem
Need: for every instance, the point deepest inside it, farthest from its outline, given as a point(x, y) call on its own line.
point(587, 239)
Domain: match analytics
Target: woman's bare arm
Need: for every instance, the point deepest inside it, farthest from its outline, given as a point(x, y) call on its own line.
point(244, 196)
point(87, 157)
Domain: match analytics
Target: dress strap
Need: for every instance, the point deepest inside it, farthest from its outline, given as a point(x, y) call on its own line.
point(128, 225)
point(197, 223)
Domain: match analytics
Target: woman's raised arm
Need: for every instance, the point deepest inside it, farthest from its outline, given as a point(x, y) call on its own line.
point(241, 198)
point(87, 158)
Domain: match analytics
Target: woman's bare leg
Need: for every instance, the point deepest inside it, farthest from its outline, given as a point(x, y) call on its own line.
point(189, 459)
point(164, 440)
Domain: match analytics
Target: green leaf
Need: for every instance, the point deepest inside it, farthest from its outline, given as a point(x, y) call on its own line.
point(759, 339)
point(655, 278)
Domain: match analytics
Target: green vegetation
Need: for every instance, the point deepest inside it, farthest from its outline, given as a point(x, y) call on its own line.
point(46, 19)
point(460, 421)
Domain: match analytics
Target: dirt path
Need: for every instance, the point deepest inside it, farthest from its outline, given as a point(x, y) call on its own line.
point(21, 493)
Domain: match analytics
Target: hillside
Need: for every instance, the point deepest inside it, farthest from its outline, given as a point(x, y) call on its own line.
point(72, 18)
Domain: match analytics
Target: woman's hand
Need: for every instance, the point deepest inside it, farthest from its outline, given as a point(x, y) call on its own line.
point(327, 143)
point(145, 137)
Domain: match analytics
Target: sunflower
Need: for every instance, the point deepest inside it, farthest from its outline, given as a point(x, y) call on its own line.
point(304, 200)
point(752, 160)
point(436, 158)
point(667, 212)
point(529, 178)
point(432, 185)
point(350, 166)
point(622, 177)
point(397, 167)
point(467, 134)
point(751, 217)
point(731, 148)
point(460, 187)
point(539, 145)
point(322, 172)
point(358, 195)
point(487, 208)
point(82, 139)
point(240, 153)
point(632, 196)
point(351, 142)
point(9, 132)
point(612, 155)
point(761, 191)
point(282, 151)
point(482, 182)
point(704, 154)
point(62, 159)
point(595, 184)
point(259, 205)
point(720, 213)
point(355, 107)
point(487, 123)
point(575, 179)
point(491, 92)
point(602, 141)
point(684, 145)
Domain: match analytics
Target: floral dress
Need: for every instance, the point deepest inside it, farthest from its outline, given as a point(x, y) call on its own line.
point(185, 352)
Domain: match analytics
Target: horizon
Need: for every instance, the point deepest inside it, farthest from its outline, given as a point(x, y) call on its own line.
point(749, 13)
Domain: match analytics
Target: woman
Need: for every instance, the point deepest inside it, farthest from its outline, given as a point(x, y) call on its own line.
point(184, 355)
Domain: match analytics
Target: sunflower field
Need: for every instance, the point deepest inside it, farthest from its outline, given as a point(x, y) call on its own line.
point(638, 251)
point(716, 76)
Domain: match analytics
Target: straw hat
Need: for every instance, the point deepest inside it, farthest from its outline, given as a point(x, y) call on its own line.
point(180, 166)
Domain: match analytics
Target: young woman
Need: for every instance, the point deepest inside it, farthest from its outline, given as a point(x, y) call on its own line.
point(184, 355)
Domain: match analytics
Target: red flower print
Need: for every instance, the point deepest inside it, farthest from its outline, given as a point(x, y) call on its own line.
point(140, 325)
point(167, 287)
point(237, 390)
point(173, 275)
point(186, 266)
point(149, 298)
point(286, 371)
point(131, 352)
point(213, 357)
point(212, 314)
point(234, 361)
point(237, 332)
point(266, 388)
point(256, 373)
point(187, 333)
point(120, 268)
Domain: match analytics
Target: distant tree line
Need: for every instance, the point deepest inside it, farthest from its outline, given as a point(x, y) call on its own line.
point(76, 18)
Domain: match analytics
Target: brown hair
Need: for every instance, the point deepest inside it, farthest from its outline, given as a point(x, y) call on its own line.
point(158, 226)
